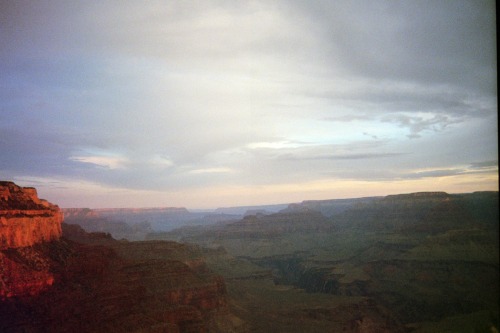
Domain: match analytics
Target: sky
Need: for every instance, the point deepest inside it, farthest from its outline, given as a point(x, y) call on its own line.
point(203, 104)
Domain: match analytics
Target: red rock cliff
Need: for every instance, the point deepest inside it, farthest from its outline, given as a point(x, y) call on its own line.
point(25, 219)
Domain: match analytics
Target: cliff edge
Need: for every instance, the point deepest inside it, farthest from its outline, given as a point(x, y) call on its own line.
point(25, 219)
point(90, 282)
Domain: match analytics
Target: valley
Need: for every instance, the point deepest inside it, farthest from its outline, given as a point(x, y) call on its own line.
point(420, 262)
point(409, 263)
point(74, 281)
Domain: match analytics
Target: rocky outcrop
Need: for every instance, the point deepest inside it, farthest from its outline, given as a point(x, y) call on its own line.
point(23, 272)
point(25, 219)
point(103, 285)
point(328, 207)
point(423, 212)
point(90, 282)
point(129, 223)
point(274, 225)
point(92, 221)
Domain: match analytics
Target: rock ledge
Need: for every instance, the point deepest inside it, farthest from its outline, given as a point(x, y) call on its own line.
point(25, 219)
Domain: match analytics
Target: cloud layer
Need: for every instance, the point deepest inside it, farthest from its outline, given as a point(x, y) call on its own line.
point(192, 103)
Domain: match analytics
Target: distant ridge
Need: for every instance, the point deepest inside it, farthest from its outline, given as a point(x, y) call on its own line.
point(328, 207)
point(241, 210)
point(417, 195)
point(146, 209)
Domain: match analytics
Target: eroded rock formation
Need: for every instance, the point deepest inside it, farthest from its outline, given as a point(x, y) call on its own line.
point(90, 282)
point(25, 219)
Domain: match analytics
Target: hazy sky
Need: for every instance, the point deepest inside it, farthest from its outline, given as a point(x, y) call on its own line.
point(221, 103)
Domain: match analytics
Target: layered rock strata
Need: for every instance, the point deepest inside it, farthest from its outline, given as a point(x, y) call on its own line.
point(103, 285)
point(25, 219)
point(89, 282)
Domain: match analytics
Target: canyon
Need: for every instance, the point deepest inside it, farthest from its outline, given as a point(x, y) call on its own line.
point(25, 219)
point(416, 262)
point(56, 277)
point(135, 223)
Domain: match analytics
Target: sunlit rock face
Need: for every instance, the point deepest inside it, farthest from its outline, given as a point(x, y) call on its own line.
point(89, 282)
point(25, 219)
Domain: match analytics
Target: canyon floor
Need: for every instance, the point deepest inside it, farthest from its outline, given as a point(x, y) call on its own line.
point(408, 263)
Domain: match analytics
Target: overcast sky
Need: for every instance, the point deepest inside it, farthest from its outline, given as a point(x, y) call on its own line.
point(222, 103)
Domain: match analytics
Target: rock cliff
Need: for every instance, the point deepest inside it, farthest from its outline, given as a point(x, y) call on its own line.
point(56, 277)
point(418, 262)
point(25, 219)
point(105, 285)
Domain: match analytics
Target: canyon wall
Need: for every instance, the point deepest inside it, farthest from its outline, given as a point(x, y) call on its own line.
point(25, 219)
point(90, 282)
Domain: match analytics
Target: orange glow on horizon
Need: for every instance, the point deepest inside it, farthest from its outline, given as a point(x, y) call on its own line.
point(83, 194)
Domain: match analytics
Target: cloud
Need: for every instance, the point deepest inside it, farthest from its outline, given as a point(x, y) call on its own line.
point(424, 42)
point(417, 124)
point(434, 173)
point(485, 165)
point(477, 168)
point(110, 162)
point(188, 95)
point(161, 161)
point(353, 156)
point(415, 108)
point(211, 170)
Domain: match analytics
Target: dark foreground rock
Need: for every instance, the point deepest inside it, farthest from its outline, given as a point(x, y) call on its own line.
point(83, 282)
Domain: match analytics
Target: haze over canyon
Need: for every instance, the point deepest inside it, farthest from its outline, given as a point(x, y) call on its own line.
point(249, 166)
point(419, 262)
